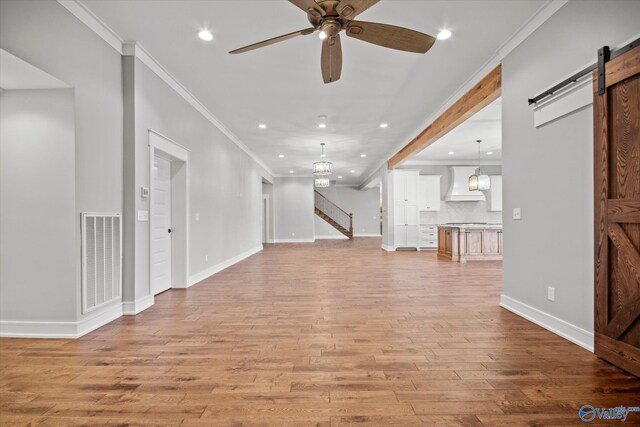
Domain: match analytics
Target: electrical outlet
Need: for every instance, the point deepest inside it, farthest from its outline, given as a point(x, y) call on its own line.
point(551, 293)
point(517, 214)
point(206, 257)
point(197, 216)
point(293, 234)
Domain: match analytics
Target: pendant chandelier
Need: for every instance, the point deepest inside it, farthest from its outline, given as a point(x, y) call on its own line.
point(479, 181)
point(322, 182)
point(322, 167)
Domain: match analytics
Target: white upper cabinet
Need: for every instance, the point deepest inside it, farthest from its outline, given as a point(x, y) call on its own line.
point(399, 186)
point(412, 188)
point(494, 195)
point(405, 187)
point(429, 193)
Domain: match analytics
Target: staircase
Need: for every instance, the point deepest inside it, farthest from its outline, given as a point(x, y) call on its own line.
point(331, 213)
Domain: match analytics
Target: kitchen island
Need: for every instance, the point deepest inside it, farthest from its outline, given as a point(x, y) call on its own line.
point(470, 242)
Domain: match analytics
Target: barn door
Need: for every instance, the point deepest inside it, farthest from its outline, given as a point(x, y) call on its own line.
point(617, 209)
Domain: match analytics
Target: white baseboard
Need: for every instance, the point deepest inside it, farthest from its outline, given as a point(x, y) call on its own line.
point(566, 330)
point(94, 321)
point(294, 240)
point(388, 248)
point(131, 308)
point(19, 329)
point(204, 274)
point(329, 237)
point(367, 235)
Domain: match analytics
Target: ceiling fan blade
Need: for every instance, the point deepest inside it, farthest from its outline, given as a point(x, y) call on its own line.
point(390, 36)
point(274, 40)
point(349, 9)
point(331, 59)
point(310, 7)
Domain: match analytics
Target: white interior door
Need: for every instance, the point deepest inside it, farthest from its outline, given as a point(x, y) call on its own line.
point(161, 226)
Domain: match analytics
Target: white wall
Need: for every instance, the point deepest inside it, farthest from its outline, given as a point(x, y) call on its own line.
point(37, 206)
point(364, 205)
point(548, 172)
point(47, 36)
point(225, 183)
point(294, 209)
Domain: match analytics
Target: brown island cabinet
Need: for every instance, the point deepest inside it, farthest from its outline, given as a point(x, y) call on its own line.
point(470, 242)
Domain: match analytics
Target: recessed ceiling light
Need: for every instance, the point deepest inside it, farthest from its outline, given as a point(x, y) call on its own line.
point(290, 171)
point(489, 153)
point(262, 126)
point(322, 125)
point(444, 34)
point(205, 35)
point(384, 125)
point(352, 171)
point(363, 155)
point(451, 153)
point(339, 176)
point(281, 156)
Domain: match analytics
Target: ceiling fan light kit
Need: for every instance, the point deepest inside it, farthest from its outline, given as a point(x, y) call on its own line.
point(330, 17)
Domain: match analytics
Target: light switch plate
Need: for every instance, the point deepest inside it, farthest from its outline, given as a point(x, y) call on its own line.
point(517, 214)
point(551, 293)
point(143, 215)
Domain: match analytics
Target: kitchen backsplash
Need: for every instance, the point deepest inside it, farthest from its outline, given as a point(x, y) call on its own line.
point(461, 212)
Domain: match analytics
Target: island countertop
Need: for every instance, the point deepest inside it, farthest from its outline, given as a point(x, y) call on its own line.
point(472, 226)
point(470, 242)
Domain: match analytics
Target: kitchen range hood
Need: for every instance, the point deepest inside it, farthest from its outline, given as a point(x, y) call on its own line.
point(459, 187)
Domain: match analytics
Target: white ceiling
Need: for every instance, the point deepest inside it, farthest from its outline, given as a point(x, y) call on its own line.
point(485, 125)
point(16, 73)
point(281, 85)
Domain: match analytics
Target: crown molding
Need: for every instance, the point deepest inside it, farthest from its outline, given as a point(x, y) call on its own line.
point(133, 48)
point(89, 19)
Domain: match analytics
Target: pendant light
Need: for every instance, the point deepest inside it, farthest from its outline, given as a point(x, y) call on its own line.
point(321, 182)
point(322, 167)
point(478, 181)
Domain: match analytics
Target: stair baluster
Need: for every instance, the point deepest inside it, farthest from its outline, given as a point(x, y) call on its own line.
point(333, 214)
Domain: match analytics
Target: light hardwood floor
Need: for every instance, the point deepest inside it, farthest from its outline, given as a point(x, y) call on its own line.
point(334, 333)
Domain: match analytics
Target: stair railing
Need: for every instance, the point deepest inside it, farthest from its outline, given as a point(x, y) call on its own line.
point(333, 211)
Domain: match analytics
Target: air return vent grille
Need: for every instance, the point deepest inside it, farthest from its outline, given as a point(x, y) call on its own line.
point(101, 260)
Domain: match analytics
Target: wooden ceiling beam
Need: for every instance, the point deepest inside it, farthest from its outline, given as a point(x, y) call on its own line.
point(482, 94)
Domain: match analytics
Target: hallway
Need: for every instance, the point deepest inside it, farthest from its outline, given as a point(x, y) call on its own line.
point(332, 333)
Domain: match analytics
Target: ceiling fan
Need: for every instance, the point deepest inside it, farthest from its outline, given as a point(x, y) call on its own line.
point(330, 17)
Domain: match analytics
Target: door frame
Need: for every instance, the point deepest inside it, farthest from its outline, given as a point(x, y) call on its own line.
point(180, 184)
point(266, 221)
